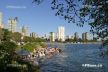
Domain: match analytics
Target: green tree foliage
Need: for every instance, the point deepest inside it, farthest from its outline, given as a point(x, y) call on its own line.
point(43, 44)
point(69, 40)
point(8, 46)
point(30, 46)
point(1, 35)
point(75, 39)
point(16, 36)
point(33, 45)
point(40, 40)
point(6, 54)
point(6, 35)
point(8, 57)
point(97, 13)
point(28, 39)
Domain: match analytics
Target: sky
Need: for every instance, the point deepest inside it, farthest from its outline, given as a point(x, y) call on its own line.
point(40, 19)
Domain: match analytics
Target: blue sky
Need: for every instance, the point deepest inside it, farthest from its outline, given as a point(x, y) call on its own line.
point(39, 18)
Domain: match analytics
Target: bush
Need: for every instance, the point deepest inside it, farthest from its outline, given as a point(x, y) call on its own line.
point(34, 45)
point(31, 46)
point(6, 54)
point(8, 46)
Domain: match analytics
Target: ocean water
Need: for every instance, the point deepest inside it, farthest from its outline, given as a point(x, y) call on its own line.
point(74, 58)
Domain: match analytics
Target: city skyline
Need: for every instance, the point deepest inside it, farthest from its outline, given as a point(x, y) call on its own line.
point(39, 19)
point(12, 26)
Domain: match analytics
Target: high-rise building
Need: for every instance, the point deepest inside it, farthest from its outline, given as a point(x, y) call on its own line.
point(33, 34)
point(12, 24)
point(76, 36)
point(24, 31)
point(85, 36)
point(1, 22)
point(52, 36)
point(61, 33)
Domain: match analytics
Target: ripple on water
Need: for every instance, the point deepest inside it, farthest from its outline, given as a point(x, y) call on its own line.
point(72, 58)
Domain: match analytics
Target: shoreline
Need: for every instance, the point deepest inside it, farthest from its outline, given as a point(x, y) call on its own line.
point(73, 43)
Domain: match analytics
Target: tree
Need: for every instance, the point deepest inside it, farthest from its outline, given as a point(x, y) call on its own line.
point(40, 40)
point(26, 39)
point(97, 13)
point(16, 36)
point(7, 57)
point(80, 12)
point(6, 54)
point(1, 35)
point(79, 40)
point(75, 39)
point(6, 35)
